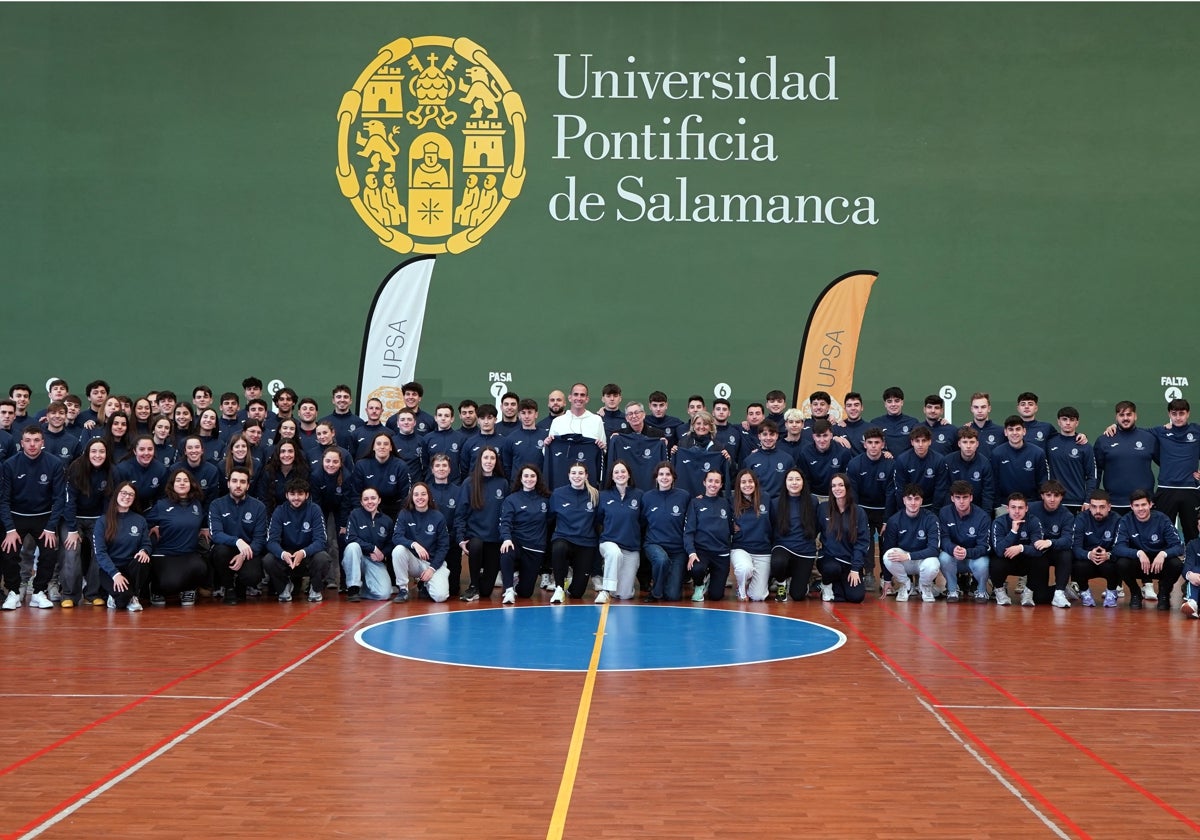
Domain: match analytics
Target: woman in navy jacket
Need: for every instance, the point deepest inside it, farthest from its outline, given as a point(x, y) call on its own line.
point(573, 544)
point(620, 523)
point(523, 520)
point(845, 541)
point(175, 521)
point(707, 538)
point(664, 512)
point(121, 545)
point(796, 530)
point(478, 522)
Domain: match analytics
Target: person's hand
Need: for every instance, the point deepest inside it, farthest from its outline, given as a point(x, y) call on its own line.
point(120, 582)
point(49, 539)
point(72, 541)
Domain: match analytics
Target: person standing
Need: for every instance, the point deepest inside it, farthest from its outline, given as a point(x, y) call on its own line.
point(32, 505)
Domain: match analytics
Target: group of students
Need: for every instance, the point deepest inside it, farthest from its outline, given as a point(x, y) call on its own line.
point(159, 498)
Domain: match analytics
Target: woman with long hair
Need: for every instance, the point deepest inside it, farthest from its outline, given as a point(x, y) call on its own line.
point(89, 480)
point(332, 491)
point(121, 548)
point(176, 519)
point(523, 519)
point(185, 422)
point(240, 454)
point(478, 522)
point(574, 540)
point(285, 463)
point(845, 541)
point(143, 414)
point(619, 518)
point(664, 512)
point(385, 472)
point(162, 432)
point(796, 531)
point(208, 429)
point(118, 436)
point(708, 538)
point(753, 524)
point(421, 541)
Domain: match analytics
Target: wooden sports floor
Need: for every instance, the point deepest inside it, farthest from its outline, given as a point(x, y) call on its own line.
point(268, 720)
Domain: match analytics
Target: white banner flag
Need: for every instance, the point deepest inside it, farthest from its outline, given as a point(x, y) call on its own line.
point(393, 335)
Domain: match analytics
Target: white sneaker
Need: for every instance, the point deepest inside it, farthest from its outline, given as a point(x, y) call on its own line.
point(1002, 599)
point(903, 588)
point(547, 581)
point(112, 604)
point(39, 600)
point(826, 591)
point(134, 605)
point(559, 596)
point(286, 594)
point(602, 597)
point(927, 594)
point(1190, 609)
point(698, 592)
point(13, 601)
point(597, 582)
point(510, 596)
point(1060, 599)
point(1027, 597)
point(1148, 591)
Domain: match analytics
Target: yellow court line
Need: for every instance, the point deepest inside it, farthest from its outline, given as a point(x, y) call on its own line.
point(559, 819)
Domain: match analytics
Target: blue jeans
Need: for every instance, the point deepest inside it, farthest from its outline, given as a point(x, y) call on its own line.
point(667, 570)
point(952, 568)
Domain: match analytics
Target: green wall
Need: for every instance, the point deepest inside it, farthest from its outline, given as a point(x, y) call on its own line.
point(170, 213)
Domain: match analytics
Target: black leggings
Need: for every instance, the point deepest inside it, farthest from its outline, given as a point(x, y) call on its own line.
point(135, 573)
point(526, 562)
point(578, 558)
point(484, 562)
point(177, 573)
point(785, 564)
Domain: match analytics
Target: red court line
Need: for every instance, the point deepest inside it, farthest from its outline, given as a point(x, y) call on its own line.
point(1042, 720)
point(966, 731)
point(81, 794)
point(66, 739)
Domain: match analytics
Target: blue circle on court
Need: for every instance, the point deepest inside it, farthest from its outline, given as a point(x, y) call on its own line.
point(563, 638)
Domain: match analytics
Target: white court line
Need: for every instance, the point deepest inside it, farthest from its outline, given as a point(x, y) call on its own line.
point(179, 739)
point(122, 696)
point(1069, 709)
point(975, 754)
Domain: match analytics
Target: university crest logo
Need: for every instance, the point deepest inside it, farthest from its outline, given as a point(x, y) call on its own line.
point(431, 144)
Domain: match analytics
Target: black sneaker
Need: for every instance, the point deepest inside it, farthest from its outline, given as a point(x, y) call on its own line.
point(401, 597)
point(1135, 600)
point(423, 592)
point(781, 592)
point(472, 594)
point(231, 597)
point(352, 594)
